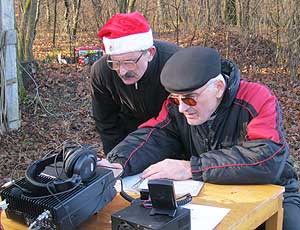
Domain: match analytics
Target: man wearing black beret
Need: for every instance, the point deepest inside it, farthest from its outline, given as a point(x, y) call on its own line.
point(214, 127)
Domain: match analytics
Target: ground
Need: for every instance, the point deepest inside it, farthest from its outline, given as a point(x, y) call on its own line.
point(60, 108)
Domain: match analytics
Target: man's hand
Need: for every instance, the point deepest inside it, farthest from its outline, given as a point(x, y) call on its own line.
point(169, 169)
point(115, 167)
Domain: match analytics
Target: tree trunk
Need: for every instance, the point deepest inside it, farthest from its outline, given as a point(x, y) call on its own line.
point(131, 4)
point(77, 4)
point(208, 12)
point(23, 29)
point(54, 23)
point(218, 12)
point(247, 15)
point(48, 13)
point(161, 21)
point(123, 5)
point(230, 12)
point(242, 14)
point(30, 34)
point(37, 16)
point(67, 17)
point(239, 13)
point(27, 30)
point(97, 6)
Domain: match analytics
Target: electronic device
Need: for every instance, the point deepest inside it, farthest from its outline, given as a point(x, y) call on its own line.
point(60, 191)
point(162, 197)
point(136, 217)
point(68, 209)
point(161, 212)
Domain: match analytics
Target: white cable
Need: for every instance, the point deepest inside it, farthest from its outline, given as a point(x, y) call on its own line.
point(45, 215)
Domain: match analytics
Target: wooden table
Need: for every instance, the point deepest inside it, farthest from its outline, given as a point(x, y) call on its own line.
point(250, 205)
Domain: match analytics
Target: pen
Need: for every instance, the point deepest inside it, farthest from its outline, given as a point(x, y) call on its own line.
point(138, 183)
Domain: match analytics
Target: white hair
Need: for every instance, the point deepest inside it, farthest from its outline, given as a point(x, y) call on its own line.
point(219, 77)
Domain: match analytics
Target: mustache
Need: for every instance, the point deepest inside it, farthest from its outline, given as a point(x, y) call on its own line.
point(128, 75)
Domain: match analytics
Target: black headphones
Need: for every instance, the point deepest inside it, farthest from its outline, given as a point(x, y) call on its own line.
point(79, 165)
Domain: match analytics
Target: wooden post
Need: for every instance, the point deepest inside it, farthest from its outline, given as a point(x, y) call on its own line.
point(10, 108)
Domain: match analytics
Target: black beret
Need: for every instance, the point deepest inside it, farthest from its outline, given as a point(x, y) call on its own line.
point(190, 69)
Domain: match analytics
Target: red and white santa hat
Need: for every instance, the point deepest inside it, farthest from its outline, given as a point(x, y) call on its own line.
point(125, 33)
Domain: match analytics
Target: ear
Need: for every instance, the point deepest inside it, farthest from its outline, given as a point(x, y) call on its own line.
point(220, 87)
point(151, 53)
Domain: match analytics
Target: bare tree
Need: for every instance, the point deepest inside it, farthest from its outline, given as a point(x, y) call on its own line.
point(126, 6)
point(242, 14)
point(208, 10)
point(274, 20)
point(131, 5)
point(230, 11)
point(48, 13)
point(67, 17)
point(293, 44)
point(122, 4)
point(98, 6)
point(76, 10)
point(161, 22)
point(175, 19)
point(27, 30)
point(54, 23)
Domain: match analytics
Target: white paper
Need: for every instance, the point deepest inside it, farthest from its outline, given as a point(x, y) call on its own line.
point(205, 217)
point(181, 187)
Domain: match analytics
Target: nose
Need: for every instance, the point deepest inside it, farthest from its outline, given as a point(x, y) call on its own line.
point(182, 107)
point(122, 70)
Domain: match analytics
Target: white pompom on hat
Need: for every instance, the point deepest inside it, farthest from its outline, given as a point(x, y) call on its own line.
point(125, 33)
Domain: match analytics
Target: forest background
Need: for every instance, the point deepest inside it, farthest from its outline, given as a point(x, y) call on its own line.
point(261, 36)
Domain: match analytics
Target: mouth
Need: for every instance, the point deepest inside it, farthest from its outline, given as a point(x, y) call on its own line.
point(189, 115)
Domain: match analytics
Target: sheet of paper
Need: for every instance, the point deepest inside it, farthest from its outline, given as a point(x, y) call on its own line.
point(205, 217)
point(181, 187)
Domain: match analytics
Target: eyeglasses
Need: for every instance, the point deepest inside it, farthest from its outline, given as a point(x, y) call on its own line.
point(188, 99)
point(129, 65)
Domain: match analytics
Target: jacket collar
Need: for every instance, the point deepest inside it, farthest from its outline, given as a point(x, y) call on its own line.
point(231, 74)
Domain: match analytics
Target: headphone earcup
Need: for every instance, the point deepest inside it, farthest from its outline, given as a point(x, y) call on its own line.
point(85, 165)
point(81, 162)
point(70, 160)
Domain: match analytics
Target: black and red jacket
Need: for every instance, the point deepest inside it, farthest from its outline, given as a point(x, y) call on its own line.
point(243, 144)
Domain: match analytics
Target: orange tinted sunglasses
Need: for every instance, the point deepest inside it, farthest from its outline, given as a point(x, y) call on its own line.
point(187, 99)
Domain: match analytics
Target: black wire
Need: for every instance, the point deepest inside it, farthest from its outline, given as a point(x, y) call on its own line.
point(60, 202)
point(123, 194)
point(57, 194)
point(188, 198)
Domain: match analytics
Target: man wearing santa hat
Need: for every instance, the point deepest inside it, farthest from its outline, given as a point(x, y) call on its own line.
point(126, 88)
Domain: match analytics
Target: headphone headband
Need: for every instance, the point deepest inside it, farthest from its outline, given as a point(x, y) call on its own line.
point(76, 163)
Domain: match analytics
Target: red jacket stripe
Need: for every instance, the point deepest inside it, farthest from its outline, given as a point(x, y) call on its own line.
point(159, 119)
point(264, 125)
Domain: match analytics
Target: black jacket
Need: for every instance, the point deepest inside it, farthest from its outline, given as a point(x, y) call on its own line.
point(118, 109)
point(244, 144)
